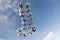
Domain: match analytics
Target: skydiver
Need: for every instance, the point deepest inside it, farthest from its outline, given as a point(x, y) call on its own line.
point(21, 10)
point(21, 14)
point(31, 33)
point(23, 19)
point(20, 5)
point(19, 34)
point(27, 7)
point(33, 29)
point(29, 14)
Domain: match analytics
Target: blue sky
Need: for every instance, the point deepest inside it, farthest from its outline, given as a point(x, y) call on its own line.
point(46, 14)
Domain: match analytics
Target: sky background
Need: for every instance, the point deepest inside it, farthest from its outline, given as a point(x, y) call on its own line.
point(46, 14)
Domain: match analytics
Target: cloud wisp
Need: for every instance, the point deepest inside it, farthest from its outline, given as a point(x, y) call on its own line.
point(50, 36)
point(8, 18)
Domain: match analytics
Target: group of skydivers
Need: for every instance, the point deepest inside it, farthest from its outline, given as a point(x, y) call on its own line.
point(24, 31)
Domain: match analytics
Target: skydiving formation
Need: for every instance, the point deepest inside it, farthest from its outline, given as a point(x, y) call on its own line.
point(27, 26)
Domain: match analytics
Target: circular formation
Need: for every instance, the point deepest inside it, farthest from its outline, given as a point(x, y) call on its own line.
point(25, 30)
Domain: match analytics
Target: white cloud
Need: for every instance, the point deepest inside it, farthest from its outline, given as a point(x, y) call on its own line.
point(8, 18)
point(6, 4)
point(57, 35)
point(50, 36)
